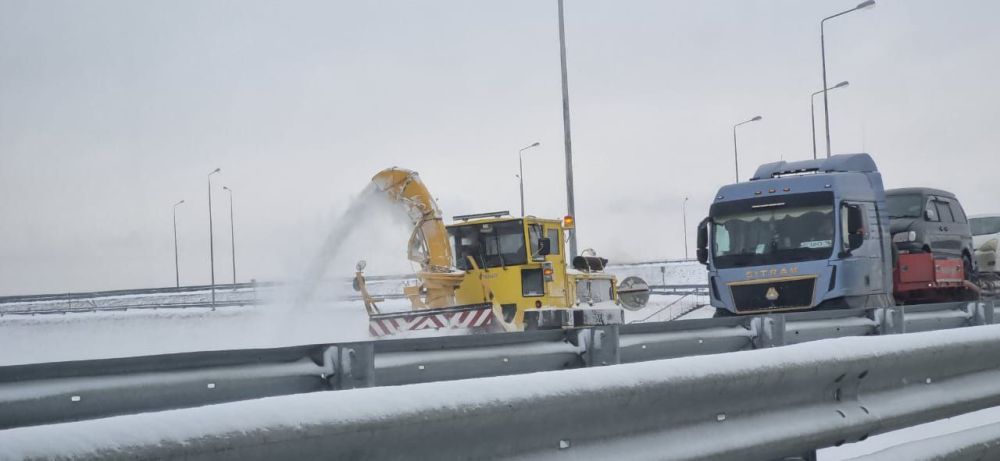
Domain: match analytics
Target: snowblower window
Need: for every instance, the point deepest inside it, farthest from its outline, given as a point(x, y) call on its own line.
point(535, 232)
point(492, 245)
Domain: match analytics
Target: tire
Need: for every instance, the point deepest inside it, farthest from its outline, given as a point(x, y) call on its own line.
point(967, 267)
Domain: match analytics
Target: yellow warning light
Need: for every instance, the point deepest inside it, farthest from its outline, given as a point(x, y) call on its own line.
point(568, 222)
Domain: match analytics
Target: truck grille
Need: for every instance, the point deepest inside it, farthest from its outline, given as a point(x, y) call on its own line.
point(791, 294)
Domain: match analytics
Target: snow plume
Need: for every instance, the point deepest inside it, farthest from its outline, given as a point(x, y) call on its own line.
point(372, 228)
point(342, 227)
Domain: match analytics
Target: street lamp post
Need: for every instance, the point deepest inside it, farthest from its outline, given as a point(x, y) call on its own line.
point(232, 232)
point(211, 244)
point(570, 206)
point(736, 154)
point(177, 270)
point(822, 49)
point(685, 221)
point(812, 110)
point(520, 168)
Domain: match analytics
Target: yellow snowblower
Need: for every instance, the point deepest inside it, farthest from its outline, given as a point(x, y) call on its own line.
point(494, 272)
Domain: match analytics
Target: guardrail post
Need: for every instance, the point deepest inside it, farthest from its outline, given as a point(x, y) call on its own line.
point(982, 313)
point(602, 346)
point(890, 320)
point(355, 365)
point(768, 331)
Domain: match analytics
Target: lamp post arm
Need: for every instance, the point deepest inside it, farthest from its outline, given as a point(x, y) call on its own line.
point(736, 154)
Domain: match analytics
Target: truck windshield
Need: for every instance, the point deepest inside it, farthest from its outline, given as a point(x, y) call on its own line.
point(493, 244)
point(904, 206)
point(985, 226)
point(773, 230)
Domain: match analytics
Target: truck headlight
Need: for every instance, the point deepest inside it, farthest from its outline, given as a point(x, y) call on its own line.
point(904, 237)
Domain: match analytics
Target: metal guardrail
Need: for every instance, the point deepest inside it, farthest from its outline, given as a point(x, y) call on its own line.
point(244, 294)
point(84, 296)
point(129, 292)
point(66, 391)
point(759, 405)
point(125, 307)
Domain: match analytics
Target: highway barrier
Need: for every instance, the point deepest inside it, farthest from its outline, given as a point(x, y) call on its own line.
point(67, 391)
point(751, 405)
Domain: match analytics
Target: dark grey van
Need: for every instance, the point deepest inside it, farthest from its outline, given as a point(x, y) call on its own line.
point(930, 220)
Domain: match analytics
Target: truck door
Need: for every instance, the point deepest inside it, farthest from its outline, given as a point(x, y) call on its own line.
point(553, 273)
point(556, 282)
point(872, 247)
point(863, 267)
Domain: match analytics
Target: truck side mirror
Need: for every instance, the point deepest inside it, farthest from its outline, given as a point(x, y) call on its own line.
point(544, 246)
point(702, 247)
point(855, 229)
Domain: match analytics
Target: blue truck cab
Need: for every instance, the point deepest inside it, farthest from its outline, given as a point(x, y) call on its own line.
point(799, 236)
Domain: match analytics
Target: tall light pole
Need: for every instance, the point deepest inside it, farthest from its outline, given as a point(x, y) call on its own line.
point(177, 270)
point(685, 218)
point(822, 49)
point(736, 153)
point(211, 235)
point(232, 231)
point(520, 169)
point(812, 110)
point(570, 206)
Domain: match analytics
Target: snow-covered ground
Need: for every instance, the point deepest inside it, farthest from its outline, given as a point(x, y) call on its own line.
point(95, 335)
point(49, 338)
point(275, 322)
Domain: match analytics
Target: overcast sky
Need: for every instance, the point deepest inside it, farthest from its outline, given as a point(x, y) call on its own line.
point(111, 111)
